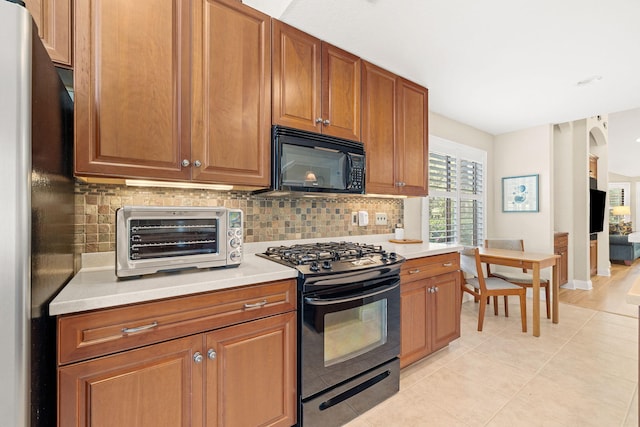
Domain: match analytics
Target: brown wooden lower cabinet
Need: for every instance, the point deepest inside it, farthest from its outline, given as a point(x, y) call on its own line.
point(253, 382)
point(430, 305)
point(158, 385)
point(593, 257)
point(239, 375)
point(561, 247)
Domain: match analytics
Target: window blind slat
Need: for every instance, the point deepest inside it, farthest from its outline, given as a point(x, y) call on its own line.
point(456, 211)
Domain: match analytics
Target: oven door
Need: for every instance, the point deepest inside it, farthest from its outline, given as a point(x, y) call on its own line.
point(348, 330)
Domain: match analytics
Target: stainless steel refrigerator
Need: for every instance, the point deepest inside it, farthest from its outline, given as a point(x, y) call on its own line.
point(36, 218)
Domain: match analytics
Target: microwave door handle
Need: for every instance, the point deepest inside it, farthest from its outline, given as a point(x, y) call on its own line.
point(360, 295)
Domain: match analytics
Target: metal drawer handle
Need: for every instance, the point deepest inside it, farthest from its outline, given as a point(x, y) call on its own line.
point(414, 271)
point(256, 305)
point(139, 328)
point(447, 264)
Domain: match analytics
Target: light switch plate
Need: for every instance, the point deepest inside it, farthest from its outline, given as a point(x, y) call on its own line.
point(381, 218)
point(363, 218)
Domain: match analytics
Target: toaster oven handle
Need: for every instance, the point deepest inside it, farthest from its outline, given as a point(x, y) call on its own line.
point(139, 328)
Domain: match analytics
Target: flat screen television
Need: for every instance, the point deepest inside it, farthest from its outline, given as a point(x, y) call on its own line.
point(597, 200)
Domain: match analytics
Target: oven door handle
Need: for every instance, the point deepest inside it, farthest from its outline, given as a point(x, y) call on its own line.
point(329, 301)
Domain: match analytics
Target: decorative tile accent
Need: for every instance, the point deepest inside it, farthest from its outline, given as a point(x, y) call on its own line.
point(266, 218)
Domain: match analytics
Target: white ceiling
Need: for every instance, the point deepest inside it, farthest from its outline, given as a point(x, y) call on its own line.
point(497, 65)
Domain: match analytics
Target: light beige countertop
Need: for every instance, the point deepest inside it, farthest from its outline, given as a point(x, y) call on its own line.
point(96, 286)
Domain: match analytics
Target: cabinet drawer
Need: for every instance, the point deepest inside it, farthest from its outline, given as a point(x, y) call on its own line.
point(91, 334)
point(419, 268)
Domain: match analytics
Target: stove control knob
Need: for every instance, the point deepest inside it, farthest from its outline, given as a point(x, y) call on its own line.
point(326, 265)
point(393, 255)
point(384, 255)
point(314, 266)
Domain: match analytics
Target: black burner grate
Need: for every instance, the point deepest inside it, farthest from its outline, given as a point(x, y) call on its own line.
point(328, 251)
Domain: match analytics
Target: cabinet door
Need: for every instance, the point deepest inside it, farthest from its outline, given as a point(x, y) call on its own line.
point(379, 88)
point(412, 150)
point(593, 257)
point(340, 93)
point(296, 78)
point(251, 380)
point(131, 88)
point(414, 312)
point(231, 124)
point(159, 385)
point(445, 309)
point(53, 19)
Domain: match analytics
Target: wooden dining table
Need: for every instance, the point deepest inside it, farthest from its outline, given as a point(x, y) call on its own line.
point(531, 261)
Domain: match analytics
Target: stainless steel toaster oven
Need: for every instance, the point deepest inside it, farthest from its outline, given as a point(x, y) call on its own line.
point(151, 239)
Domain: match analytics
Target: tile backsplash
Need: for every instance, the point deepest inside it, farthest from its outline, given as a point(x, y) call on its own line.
point(266, 218)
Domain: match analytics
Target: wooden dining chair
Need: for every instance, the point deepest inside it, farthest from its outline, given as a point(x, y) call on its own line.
point(514, 275)
point(488, 287)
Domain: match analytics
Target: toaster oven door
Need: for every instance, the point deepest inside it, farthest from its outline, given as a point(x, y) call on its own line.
point(154, 240)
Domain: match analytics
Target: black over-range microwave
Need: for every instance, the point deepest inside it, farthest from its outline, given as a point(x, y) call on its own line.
point(314, 163)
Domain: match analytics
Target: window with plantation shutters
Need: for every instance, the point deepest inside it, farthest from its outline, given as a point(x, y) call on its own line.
point(619, 196)
point(616, 197)
point(456, 194)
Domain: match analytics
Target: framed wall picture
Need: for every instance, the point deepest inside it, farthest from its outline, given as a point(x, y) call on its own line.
point(520, 193)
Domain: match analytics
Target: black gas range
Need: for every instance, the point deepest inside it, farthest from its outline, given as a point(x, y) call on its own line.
point(315, 259)
point(348, 327)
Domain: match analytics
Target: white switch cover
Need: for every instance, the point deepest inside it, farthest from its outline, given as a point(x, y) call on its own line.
point(363, 218)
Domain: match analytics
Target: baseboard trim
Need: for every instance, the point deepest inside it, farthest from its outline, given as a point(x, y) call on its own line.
point(584, 285)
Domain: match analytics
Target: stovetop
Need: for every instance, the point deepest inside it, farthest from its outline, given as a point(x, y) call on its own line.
point(331, 257)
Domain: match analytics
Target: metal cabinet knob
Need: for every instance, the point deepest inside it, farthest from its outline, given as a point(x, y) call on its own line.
point(326, 123)
point(197, 357)
point(185, 163)
point(319, 120)
point(211, 354)
point(197, 163)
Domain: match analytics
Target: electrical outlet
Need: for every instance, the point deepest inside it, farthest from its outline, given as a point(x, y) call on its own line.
point(354, 218)
point(381, 218)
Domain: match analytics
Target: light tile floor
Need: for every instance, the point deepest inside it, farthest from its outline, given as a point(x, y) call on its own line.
point(580, 372)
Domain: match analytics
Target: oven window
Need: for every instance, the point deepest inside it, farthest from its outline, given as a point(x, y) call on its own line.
point(312, 167)
point(355, 331)
point(163, 238)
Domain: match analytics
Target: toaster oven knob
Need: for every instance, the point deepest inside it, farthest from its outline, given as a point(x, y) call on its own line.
point(235, 256)
point(234, 242)
point(230, 233)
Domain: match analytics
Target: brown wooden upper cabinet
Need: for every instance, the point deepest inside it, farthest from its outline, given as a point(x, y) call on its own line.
point(161, 96)
point(231, 113)
point(316, 86)
point(53, 19)
point(395, 133)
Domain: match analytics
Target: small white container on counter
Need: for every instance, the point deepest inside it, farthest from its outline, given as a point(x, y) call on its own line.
point(399, 232)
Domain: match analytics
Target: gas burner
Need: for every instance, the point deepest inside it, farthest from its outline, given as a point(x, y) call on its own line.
point(313, 252)
point(331, 257)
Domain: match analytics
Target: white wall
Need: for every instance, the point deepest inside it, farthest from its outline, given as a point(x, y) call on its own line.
point(563, 188)
point(415, 214)
point(525, 152)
